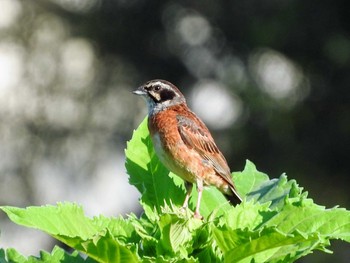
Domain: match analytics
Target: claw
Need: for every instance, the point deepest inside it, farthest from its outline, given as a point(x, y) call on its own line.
point(198, 216)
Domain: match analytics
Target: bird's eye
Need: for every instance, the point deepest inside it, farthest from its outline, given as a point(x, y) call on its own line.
point(157, 88)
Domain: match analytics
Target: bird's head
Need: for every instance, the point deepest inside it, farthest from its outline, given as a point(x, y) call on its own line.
point(160, 95)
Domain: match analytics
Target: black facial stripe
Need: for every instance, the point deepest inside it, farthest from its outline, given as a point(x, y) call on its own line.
point(166, 94)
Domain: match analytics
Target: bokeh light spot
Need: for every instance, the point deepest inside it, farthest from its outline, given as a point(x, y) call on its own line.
point(193, 29)
point(11, 66)
point(215, 105)
point(278, 76)
point(77, 62)
point(11, 9)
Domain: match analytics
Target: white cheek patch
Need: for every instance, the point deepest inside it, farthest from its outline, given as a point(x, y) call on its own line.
point(155, 95)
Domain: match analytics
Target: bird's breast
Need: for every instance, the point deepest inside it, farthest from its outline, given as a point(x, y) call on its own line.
point(168, 144)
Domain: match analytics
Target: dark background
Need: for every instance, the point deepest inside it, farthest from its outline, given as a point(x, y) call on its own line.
point(270, 78)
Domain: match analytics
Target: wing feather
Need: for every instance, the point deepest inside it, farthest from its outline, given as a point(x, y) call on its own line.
point(198, 138)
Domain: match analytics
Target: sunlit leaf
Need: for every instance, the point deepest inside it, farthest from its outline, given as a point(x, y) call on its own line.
point(148, 175)
point(57, 255)
point(67, 223)
point(276, 222)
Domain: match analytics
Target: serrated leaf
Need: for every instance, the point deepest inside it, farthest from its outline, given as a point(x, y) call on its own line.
point(176, 236)
point(275, 191)
point(265, 245)
point(272, 235)
point(66, 219)
point(157, 185)
point(257, 186)
point(269, 245)
point(162, 259)
point(276, 222)
point(67, 223)
point(119, 227)
point(307, 217)
point(13, 256)
point(249, 179)
point(105, 248)
point(57, 255)
point(248, 215)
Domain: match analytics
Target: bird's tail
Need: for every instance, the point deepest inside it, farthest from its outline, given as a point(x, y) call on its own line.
point(234, 198)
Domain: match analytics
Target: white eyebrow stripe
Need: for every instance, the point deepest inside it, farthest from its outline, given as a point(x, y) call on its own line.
point(157, 83)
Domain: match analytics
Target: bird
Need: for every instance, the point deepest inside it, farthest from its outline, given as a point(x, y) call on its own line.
point(183, 142)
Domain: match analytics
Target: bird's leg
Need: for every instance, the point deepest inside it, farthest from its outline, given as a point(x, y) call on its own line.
point(188, 187)
point(200, 190)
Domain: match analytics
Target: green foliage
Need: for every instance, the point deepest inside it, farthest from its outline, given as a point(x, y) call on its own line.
point(57, 255)
point(103, 239)
point(276, 222)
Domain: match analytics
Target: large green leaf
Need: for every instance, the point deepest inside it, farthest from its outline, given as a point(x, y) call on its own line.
point(249, 179)
point(276, 191)
point(57, 255)
point(64, 219)
point(149, 176)
point(156, 184)
point(67, 223)
point(254, 232)
point(276, 222)
point(267, 245)
point(307, 217)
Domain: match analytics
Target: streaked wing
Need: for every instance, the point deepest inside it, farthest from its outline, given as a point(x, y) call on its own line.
point(198, 138)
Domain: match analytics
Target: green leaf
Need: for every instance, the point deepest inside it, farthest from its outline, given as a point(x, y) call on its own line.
point(57, 255)
point(276, 222)
point(177, 235)
point(67, 223)
point(64, 219)
point(123, 230)
point(249, 179)
point(149, 176)
point(14, 256)
point(307, 217)
point(248, 215)
point(157, 185)
point(257, 186)
point(105, 248)
point(253, 232)
point(2, 256)
point(267, 245)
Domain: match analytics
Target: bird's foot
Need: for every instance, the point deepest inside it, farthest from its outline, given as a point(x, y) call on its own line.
point(197, 215)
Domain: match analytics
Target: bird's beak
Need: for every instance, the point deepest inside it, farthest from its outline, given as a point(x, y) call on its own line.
point(140, 91)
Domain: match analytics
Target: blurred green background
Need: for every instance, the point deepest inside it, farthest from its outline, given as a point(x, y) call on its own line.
point(271, 79)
